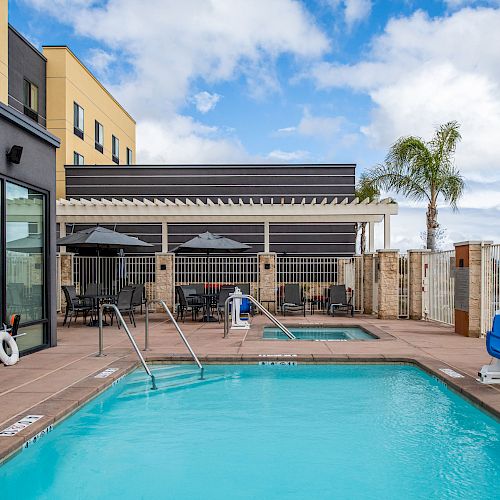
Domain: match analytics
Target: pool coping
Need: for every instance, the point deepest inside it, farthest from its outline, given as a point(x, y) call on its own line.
point(68, 401)
point(379, 334)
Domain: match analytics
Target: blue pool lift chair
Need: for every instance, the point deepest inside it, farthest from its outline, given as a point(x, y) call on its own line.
point(490, 374)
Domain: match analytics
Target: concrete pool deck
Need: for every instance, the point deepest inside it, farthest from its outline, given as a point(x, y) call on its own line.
point(54, 382)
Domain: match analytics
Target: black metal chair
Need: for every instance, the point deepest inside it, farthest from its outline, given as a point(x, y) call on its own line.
point(337, 300)
point(186, 303)
point(74, 305)
point(224, 293)
point(138, 299)
point(124, 305)
point(293, 301)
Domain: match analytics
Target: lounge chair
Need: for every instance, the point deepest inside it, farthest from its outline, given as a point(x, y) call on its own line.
point(337, 300)
point(293, 300)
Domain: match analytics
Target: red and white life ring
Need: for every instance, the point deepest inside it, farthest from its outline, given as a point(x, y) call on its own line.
point(11, 342)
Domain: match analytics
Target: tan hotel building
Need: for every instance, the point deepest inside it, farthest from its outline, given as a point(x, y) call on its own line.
point(93, 127)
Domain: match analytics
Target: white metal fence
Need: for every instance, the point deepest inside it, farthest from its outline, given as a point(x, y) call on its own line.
point(113, 273)
point(439, 286)
point(403, 286)
point(316, 274)
point(221, 270)
point(490, 285)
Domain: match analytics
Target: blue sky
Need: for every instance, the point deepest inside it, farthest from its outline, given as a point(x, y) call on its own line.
point(297, 81)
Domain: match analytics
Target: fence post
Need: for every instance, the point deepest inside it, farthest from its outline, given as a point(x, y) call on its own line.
point(388, 283)
point(267, 279)
point(165, 278)
point(468, 287)
point(415, 285)
point(368, 282)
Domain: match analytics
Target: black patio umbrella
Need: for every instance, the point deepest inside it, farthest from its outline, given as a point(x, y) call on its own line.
point(100, 238)
point(208, 243)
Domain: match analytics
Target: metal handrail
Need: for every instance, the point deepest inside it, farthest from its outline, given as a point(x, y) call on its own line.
point(261, 308)
point(177, 327)
point(119, 317)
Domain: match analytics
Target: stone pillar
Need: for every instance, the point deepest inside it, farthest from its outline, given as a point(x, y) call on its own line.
point(388, 293)
point(468, 276)
point(165, 277)
point(267, 279)
point(416, 283)
point(368, 283)
point(66, 276)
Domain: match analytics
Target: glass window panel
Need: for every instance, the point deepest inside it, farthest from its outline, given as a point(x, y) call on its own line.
point(34, 97)
point(78, 116)
point(25, 231)
point(34, 337)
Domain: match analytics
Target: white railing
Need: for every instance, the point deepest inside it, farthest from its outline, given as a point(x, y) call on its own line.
point(113, 273)
point(221, 270)
point(316, 274)
point(403, 286)
point(490, 285)
point(439, 286)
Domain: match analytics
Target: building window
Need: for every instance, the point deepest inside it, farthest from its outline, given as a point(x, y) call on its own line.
point(30, 100)
point(99, 136)
point(78, 159)
point(129, 156)
point(78, 120)
point(25, 261)
point(115, 149)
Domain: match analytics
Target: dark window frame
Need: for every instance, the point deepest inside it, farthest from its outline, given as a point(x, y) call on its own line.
point(129, 156)
point(115, 157)
point(46, 265)
point(99, 145)
point(75, 155)
point(78, 128)
point(27, 103)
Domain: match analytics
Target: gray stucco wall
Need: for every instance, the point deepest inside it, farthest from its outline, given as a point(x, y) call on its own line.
point(25, 62)
point(37, 169)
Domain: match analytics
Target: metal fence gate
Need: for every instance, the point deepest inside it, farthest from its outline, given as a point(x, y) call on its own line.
point(113, 273)
point(314, 275)
point(222, 270)
point(438, 297)
point(490, 284)
point(404, 286)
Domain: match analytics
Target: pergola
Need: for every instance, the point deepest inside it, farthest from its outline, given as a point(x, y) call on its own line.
point(165, 211)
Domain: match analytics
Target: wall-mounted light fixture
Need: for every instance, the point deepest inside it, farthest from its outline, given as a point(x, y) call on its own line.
point(15, 154)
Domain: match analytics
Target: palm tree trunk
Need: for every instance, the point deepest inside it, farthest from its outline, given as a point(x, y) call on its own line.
point(363, 238)
point(432, 225)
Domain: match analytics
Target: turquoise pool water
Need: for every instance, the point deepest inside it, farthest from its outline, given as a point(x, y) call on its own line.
point(319, 333)
point(267, 432)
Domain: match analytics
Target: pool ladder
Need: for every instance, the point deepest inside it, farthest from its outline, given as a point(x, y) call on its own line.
point(120, 319)
point(261, 308)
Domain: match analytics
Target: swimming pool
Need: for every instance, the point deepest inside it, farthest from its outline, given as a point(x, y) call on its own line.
point(323, 431)
point(319, 333)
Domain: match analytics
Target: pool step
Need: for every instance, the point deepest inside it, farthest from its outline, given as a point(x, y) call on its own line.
point(160, 370)
point(171, 387)
point(171, 375)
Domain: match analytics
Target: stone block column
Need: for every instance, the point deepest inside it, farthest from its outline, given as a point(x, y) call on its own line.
point(468, 275)
point(415, 285)
point(388, 293)
point(66, 274)
point(368, 283)
point(267, 279)
point(165, 278)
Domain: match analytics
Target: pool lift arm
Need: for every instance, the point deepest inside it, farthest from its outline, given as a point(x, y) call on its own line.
point(490, 374)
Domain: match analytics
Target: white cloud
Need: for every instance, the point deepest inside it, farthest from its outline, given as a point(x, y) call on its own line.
point(314, 126)
point(354, 11)
point(205, 101)
point(99, 61)
point(288, 156)
point(168, 45)
point(422, 72)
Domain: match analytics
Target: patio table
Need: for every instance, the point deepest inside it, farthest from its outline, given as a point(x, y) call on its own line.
point(97, 299)
point(207, 298)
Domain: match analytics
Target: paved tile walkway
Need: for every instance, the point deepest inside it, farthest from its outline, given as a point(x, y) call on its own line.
point(55, 381)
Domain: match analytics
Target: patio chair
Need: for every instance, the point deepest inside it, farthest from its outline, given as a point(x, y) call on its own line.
point(199, 287)
point(337, 300)
point(124, 305)
point(74, 305)
point(187, 303)
point(138, 299)
point(224, 293)
point(293, 300)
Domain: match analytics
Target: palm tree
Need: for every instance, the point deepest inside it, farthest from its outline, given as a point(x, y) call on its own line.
point(365, 189)
point(423, 170)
